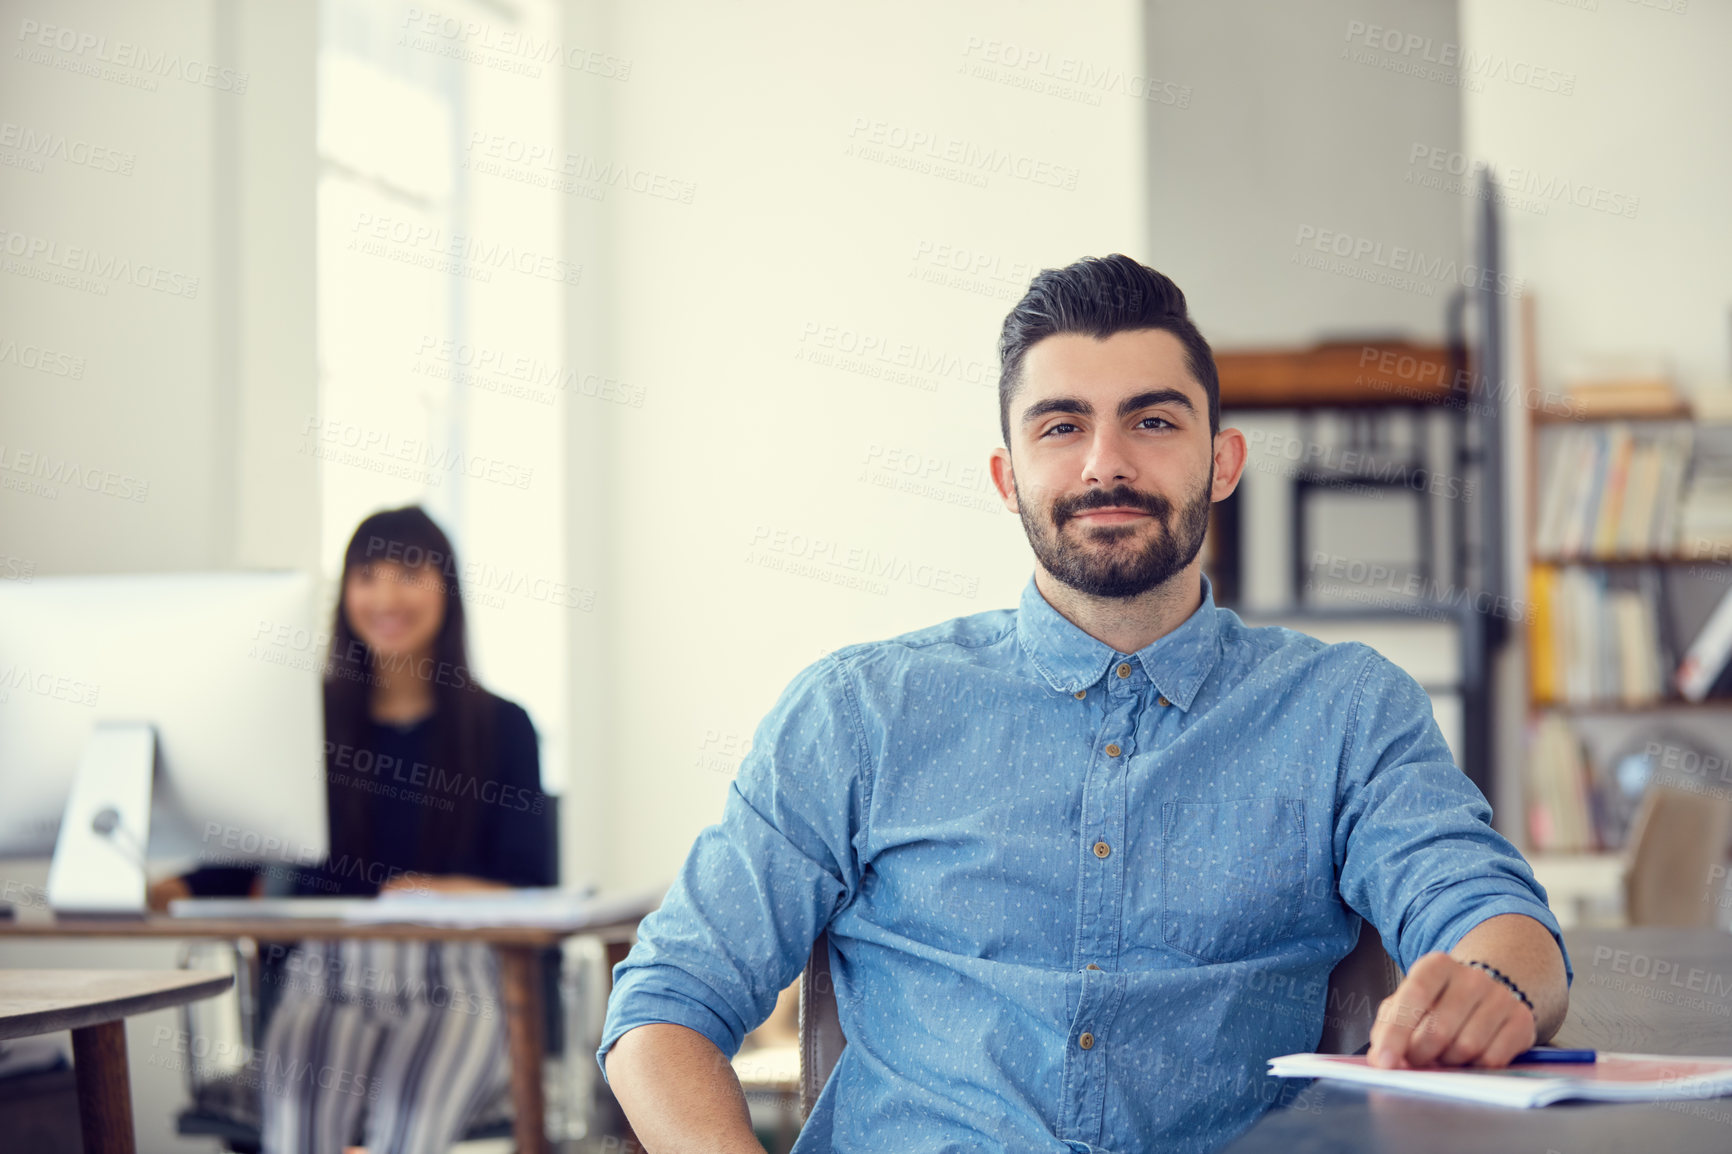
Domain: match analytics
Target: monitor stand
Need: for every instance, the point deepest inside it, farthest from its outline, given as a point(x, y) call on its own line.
point(98, 866)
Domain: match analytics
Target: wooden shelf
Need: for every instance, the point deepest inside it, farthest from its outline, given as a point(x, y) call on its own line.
point(1615, 708)
point(1346, 373)
point(1680, 412)
point(1636, 559)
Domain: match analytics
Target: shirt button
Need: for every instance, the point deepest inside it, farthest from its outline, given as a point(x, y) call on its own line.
point(1113, 750)
point(1164, 701)
point(1102, 849)
point(1124, 669)
point(1087, 1041)
point(1081, 693)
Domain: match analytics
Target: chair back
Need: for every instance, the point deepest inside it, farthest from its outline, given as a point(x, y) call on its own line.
point(1359, 982)
point(1357, 985)
point(821, 1040)
point(1676, 840)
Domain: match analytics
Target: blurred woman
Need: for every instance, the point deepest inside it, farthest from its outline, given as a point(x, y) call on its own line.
point(433, 784)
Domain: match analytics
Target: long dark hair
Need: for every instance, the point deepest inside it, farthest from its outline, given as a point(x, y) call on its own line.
point(464, 714)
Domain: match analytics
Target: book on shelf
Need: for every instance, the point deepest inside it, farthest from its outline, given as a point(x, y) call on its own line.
point(1614, 490)
point(1594, 640)
point(1559, 810)
point(1622, 384)
point(1705, 514)
point(1707, 657)
point(1625, 398)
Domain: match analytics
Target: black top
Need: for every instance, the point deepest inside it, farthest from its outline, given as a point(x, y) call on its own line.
point(516, 830)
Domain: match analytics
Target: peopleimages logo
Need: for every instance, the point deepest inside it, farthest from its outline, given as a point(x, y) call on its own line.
point(547, 165)
point(479, 42)
point(1513, 184)
point(1413, 52)
point(428, 246)
point(42, 683)
point(40, 359)
point(90, 51)
point(1403, 260)
point(938, 153)
point(826, 559)
point(105, 267)
point(43, 145)
point(1067, 77)
point(346, 443)
point(43, 472)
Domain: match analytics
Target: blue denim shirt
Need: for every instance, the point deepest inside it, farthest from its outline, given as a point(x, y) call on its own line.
point(1075, 898)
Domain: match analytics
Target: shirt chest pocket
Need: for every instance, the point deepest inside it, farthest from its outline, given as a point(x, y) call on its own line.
point(1232, 875)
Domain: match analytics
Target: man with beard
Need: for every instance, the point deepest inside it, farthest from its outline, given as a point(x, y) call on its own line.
point(1086, 864)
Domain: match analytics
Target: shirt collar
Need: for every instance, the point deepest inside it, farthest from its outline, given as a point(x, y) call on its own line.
point(1070, 659)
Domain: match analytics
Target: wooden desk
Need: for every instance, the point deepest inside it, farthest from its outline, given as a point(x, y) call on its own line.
point(94, 1004)
point(1653, 991)
point(519, 949)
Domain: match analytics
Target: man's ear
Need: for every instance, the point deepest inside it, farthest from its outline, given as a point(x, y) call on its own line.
point(1004, 478)
point(1230, 456)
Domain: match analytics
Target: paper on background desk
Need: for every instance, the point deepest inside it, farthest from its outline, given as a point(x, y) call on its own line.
point(1614, 1078)
point(554, 909)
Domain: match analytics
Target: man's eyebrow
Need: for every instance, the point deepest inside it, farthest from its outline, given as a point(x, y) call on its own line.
point(1156, 397)
point(1056, 405)
point(1126, 407)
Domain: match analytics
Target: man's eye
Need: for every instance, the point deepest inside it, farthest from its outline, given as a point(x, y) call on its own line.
point(1060, 427)
point(1160, 422)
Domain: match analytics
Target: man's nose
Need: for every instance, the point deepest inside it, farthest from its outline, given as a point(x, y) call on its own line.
point(1109, 459)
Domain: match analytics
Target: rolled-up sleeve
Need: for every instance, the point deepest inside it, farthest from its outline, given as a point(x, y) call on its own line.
point(1415, 852)
point(758, 887)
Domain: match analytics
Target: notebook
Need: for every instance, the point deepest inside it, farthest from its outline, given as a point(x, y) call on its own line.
point(1613, 1078)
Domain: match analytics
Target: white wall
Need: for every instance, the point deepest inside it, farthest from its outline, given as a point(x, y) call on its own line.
point(714, 308)
point(1645, 131)
point(1289, 129)
point(177, 398)
point(174, 402)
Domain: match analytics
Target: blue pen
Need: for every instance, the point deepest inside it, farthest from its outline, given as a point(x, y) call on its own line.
point(1579, 1057)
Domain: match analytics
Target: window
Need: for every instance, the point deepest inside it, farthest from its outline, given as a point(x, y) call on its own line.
point(441, 284)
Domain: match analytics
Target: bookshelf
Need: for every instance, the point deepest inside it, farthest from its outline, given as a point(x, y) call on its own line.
point(1373, 414)
point(1616, 578)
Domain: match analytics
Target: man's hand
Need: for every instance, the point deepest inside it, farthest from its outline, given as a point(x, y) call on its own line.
point(1448, 1013)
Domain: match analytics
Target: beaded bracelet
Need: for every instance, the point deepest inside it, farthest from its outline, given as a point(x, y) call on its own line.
point(1500, 976)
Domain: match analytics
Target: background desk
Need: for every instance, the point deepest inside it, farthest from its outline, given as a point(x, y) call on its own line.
point(92, 1004)
point(519, 950)
point(1650, 991)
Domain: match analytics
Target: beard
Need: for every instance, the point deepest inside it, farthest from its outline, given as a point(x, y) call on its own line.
point(1107, 562)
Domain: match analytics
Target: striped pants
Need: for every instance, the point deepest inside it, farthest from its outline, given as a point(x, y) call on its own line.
point(394, 1045)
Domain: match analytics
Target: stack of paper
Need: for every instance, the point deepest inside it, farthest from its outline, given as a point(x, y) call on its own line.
point(557, 909)
point(1613, 1078)
point(266, 909)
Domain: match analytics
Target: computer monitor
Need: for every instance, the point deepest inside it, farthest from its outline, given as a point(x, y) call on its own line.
point(212, 681)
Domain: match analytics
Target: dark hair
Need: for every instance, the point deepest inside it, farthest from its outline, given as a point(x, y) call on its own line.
point(464, 714)
point(1100, 296)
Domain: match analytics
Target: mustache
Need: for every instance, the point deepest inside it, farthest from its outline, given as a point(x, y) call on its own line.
point(1122, 497)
